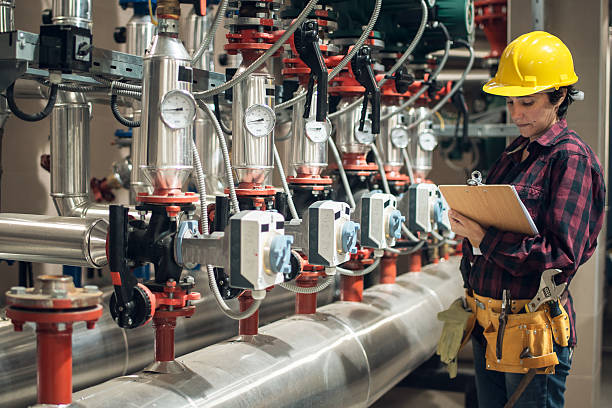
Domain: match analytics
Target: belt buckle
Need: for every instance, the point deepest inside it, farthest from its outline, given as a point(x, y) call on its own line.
point(480, 304)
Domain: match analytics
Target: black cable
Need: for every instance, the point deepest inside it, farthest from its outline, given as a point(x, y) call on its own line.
point(217, 112)
point(117, 114)
point(35, 117)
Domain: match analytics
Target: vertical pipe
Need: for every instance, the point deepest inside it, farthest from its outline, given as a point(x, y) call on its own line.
point(306, 303)
point(72, 12)
point(250, 325)
point(7, 16)
point(415, 262)
point(164, 338)
point(351, 288)
point(54, 356)
point(388, 268)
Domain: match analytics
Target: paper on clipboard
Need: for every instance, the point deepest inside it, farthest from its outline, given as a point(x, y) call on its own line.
point(491, 205)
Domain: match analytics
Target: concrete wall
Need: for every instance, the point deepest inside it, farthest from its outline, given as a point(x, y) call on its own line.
point(583, 27)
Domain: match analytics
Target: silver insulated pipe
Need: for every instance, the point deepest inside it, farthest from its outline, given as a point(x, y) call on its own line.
point(348, 136)
point(7, 16)
point(347, 355)
point(165, 69)
point(309, 145)
point(394, 136)
point(72, 12)
point(51, 239)
point(197, 27)
point(422, 144)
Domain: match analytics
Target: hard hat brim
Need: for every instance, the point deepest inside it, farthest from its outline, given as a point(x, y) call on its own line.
point(495, 88)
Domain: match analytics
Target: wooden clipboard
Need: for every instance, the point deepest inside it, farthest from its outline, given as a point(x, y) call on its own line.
point(495, 205)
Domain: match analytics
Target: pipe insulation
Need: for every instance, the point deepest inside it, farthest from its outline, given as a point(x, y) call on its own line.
point(348, 354)
point(108, 351)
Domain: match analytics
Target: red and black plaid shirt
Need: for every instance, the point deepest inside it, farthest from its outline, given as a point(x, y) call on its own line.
point(562, 186)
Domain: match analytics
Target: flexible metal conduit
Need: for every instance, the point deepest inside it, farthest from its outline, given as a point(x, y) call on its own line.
point(347, 355)
point(109, 351)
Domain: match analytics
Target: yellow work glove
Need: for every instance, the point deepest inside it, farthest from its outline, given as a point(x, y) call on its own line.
point(455, 320)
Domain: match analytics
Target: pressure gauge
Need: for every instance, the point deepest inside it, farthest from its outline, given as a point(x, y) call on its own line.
point(178, 109)
point(364, 136)
point(400, 137)
point(318, 132)
point(427, 141)
point(259, 120)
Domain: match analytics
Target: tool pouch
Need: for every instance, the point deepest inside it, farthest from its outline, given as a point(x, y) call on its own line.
point(560, 326)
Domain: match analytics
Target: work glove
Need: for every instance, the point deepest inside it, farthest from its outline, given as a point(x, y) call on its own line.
point(455, 320)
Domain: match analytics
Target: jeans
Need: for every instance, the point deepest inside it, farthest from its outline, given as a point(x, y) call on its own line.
point(494, 388)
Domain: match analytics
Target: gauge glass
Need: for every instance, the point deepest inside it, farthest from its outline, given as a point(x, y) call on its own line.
point(259, 120)
point(178, 109)
point(427, 141)
point(364, 136)
point(318, 132)
point(400, 137)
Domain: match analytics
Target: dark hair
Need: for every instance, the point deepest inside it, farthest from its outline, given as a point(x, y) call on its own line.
point(556, 95)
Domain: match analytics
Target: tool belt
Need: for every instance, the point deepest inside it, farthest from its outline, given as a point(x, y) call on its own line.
point(533, 332)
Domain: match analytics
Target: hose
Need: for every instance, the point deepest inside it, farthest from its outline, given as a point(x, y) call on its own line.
point(224, 128)
point(281, 171)
point(124, 92)
point(408, 164)
point(399, 62)
point(153, 19)
point(292, 287)
point(124, 121)
point(212, 282)
point(226, 158)
point(74, 87)
point(414, 248)
point(345, 182)
point(117, 84)
point(210, 34)
point(259, 61)
point(344, 61)
point(34, 117)
point(381, 168)
point(361, 272)
point(409, 234)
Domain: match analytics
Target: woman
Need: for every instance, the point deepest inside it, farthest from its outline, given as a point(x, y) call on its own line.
point(560, 181)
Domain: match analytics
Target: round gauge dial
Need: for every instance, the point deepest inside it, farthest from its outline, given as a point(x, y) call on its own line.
point(318, 132)
point(259, 120)
point(364, 136)
point(427, 141)
point(178, 109)
point(400, 137)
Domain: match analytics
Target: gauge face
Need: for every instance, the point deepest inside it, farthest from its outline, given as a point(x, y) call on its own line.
point(400, 137)
point(259, 120)
point(178, 109)
point(318, 132)
point(364, 136)
point(427, 141)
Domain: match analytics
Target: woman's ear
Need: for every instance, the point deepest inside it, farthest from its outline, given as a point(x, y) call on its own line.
point(560, 101)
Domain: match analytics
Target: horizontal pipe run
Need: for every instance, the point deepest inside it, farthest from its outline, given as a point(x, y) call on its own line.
point(347, 354)
point(52, 239)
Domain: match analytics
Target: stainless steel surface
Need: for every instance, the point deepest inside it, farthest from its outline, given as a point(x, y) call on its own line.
point(7, 16)
point(307, 157)
point(70, 152)
point(51, 239)
point(209, 150)
point(139, 33)
point(422, 160)
point(347, 355)
point(345, 129)
point(169, 157)
point(252, 157)
point(108, 351)
point(391, 155)
point(197, 26)
point(72, 12)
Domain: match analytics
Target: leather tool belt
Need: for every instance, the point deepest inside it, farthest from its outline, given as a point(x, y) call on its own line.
point(528, 337)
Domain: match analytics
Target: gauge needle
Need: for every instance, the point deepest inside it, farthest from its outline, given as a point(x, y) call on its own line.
point(256, 120)
point(172, 110)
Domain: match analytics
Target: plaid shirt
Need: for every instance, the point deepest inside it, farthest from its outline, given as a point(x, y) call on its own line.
point(562, 186)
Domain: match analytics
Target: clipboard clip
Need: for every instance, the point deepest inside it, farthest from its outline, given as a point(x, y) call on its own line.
point(476, 179)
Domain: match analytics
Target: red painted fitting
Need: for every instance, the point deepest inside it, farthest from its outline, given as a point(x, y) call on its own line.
point(54, 356)
point(306, 303)
point(415, 262)
point(250, 325)
point(164, 338)
point(351, 288)
point(388, 268)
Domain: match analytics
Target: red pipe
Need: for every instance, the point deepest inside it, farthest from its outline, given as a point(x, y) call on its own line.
point(388, 268)
point(351, 289)
point(415, 262)
point(54, 354)
point(164, 338)
point(250, 325)
point(306, 303)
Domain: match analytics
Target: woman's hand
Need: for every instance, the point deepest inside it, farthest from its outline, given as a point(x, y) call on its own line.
point(466, 227)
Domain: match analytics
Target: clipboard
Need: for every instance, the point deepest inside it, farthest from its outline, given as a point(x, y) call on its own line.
point(491, 205)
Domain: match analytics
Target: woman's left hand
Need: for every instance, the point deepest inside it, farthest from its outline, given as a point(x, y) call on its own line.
point(466, 227)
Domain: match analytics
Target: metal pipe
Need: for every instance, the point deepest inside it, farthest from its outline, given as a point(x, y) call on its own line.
point(72, 12)
point(108, 351)
point(7, 16)
point(52, 239)
point(347, 354)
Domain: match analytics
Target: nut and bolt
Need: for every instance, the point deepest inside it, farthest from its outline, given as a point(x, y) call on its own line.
point(189, 279)
point(18, 290)
point(59, 293)
point(90, 289)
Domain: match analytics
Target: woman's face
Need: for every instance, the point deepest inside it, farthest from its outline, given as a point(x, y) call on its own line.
point(533, 114)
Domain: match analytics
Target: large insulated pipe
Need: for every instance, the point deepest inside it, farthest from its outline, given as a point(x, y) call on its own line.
point(346, 355)
point(7, 16)
point(108, 351)
point(52, 239)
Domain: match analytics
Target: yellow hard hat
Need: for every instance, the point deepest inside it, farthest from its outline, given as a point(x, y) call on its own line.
point(532, 63)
